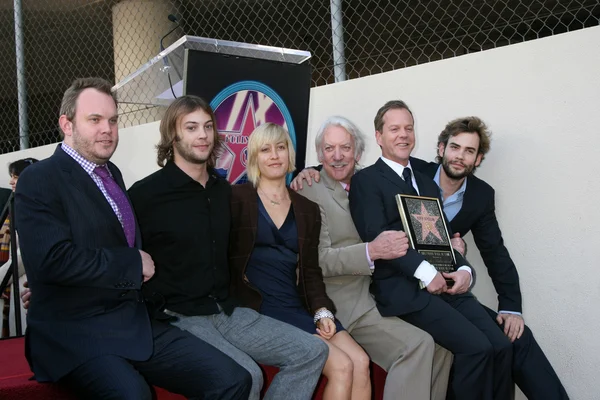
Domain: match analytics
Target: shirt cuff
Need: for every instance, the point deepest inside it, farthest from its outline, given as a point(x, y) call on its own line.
point(371, 263)
point(425, 272)
point(510, 312)
point(468, 269)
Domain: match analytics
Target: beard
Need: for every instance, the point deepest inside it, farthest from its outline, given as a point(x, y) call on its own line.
point(188, 154)
point(86, 147)
point(454, 174)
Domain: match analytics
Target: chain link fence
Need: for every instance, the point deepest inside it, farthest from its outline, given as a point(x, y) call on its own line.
point(60, 40)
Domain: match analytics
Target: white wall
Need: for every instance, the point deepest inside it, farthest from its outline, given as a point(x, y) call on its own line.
point(540, 98)
point(541, 101)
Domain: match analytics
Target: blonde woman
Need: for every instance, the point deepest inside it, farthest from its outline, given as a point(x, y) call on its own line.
point(274, 259)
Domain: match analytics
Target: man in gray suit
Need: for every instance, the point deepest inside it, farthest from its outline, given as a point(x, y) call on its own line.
point(417, 369)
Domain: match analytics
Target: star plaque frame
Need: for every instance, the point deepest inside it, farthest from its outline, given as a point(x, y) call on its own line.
point(424, 224)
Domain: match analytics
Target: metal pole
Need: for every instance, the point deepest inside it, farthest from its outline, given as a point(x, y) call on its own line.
point(14, 266)
point(21, 86)
point(337, 31)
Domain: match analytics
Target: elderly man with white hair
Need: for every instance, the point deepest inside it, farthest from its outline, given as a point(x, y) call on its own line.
point(416, 368)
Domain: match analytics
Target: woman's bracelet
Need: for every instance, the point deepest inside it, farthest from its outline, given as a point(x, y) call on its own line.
point(323, 313)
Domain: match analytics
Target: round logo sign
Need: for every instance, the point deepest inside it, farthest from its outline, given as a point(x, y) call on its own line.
point(239, 109)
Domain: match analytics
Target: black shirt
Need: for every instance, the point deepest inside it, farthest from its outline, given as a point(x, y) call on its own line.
point(185, 228)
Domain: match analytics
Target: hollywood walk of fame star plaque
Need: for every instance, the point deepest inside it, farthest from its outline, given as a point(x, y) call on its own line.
point(424, 224)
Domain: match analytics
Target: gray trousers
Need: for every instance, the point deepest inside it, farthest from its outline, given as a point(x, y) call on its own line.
point(249, 337)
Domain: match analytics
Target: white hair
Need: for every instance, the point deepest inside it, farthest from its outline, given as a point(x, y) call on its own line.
point(349, 126)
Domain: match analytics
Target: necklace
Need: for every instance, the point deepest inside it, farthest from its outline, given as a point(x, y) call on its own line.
point(273, 202)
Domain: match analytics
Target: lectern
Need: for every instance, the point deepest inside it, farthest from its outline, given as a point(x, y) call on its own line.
point(246, 85)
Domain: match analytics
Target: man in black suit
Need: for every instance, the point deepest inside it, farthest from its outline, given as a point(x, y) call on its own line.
point(469, 205)
point(88, 326)
point(482, 354)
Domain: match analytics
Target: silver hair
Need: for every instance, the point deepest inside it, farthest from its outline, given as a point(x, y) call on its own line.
point(349, 126)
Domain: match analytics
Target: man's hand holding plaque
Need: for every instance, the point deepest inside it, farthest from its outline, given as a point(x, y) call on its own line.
point(388, 245)
point(424, 224)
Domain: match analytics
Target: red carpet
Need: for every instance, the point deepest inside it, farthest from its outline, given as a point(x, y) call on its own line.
point(15, 383)
point(15, 374)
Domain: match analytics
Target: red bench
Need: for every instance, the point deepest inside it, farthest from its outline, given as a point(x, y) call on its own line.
point(15, 383)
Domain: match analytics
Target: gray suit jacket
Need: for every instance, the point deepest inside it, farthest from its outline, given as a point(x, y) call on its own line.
point(342, 254)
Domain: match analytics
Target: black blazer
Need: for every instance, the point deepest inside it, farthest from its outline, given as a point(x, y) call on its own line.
point(85, 279)
point(244, 222)
point(478, 215)
point(374, 210)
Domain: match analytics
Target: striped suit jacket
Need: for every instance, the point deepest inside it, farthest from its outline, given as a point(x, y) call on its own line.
point(85, 277)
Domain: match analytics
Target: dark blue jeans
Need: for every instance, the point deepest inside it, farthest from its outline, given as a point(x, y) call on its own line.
point(181, 363)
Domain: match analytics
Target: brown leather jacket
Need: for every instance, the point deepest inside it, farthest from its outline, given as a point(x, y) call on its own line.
point(244, 222)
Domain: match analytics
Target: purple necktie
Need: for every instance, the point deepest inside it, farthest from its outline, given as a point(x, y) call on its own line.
point(118, 196)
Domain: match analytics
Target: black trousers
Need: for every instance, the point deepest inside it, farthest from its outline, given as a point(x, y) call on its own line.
point(181, 363)
point(482, 353)
point(531, 369)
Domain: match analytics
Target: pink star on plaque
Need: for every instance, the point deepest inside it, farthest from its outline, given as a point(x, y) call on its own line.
point(427, 223)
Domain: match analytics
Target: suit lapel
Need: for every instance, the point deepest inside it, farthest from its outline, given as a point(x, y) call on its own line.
point(391, 175)
point(420, 184)
point(429, 188)
point(339, 195)
point(84, 184)
point(468, 199)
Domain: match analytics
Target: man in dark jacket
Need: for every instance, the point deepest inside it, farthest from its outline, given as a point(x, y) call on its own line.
point(184, 215)
point(88, 326)
point(469, 204)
